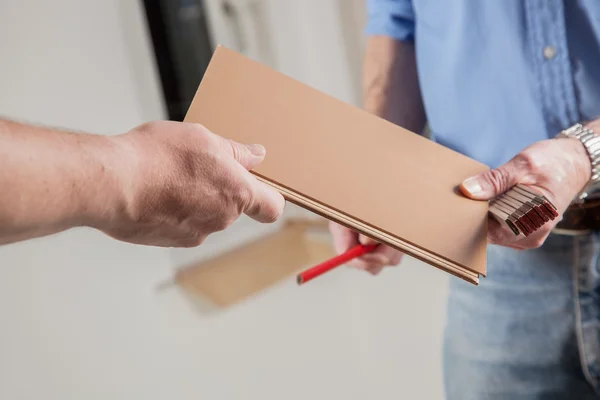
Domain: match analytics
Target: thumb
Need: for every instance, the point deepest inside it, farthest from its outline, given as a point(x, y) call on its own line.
point(492, 183)
point(249, 155)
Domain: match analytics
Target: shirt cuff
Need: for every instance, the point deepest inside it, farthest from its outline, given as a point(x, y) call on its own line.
point(392, 18)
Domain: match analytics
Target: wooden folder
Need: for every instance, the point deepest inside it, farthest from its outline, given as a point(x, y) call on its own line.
point(347, 165)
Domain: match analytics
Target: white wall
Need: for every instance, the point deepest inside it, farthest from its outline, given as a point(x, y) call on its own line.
point(305, 39)
point(80, 316)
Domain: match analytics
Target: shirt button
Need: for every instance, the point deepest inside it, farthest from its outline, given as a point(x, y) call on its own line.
point(549, 52)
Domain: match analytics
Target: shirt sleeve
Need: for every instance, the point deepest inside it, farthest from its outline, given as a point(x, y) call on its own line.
point(394, 18)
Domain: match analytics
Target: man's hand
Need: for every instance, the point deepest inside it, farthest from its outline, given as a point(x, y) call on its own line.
point(182, 183)
point(163, 183)
point(557, 168)
point(373, 262)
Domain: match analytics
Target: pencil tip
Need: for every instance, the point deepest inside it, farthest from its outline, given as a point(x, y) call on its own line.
point(299, 279)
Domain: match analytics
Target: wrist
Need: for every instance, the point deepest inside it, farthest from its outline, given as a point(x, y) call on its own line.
point(581, 161)
point(585, 148)
point(103, 196)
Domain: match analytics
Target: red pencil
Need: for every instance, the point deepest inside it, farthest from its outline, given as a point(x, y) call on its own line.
point(330, 264)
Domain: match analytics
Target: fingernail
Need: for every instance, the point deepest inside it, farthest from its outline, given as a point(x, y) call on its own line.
point(472, 186)
point(257, 150)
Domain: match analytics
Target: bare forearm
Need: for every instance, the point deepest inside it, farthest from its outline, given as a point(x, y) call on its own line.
point(52, 180)
point(391, 87)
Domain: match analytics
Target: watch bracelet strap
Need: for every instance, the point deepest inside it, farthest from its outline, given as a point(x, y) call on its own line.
point(591, 143)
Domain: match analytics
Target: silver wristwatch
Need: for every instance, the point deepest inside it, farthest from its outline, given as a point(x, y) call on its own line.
point(591, 142)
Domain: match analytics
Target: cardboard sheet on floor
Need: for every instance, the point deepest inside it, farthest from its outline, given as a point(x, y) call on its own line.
point(240, 273)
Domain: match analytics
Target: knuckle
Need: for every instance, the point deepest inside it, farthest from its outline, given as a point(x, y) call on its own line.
point(538, 242)
point(199, 129)
point(397, 258)
point(146, 126)
point(235, 151)
point(189, 163)
point(234, 192)
point(248, 200)
point(153, 127)
point(377, 259)
point(200, 240)
point(227, 222)
point(138, 215)
point(531, 161)
point(359, 264)
point(242, 197)
point(273, 214)
point(143, 209)
point(193, 241)
point(499, 179)
point(226, 217)
point(498, 237)
point(222, 223)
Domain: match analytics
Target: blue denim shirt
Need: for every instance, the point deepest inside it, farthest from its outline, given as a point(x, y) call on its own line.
point(498, 75)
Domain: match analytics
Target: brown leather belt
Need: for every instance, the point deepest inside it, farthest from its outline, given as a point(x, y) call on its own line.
point(583, 218)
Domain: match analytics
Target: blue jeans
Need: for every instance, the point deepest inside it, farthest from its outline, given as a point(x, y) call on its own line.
point(531, 329)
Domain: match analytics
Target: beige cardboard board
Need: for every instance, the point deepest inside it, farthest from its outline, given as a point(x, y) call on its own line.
point(232, 277)
point(348, 165)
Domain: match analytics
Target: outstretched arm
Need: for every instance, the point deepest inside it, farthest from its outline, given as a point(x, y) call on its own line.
point(52, 180)
point(163, 183)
